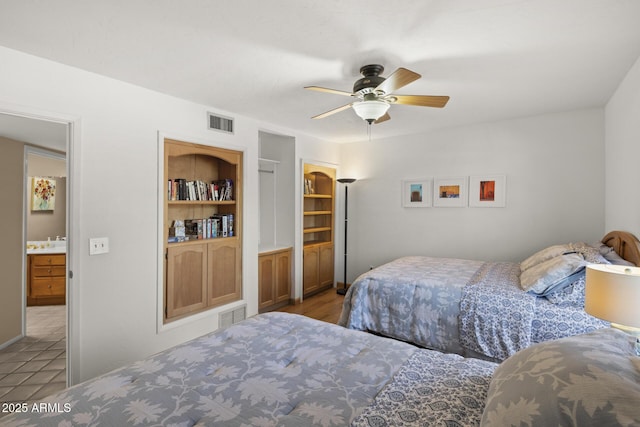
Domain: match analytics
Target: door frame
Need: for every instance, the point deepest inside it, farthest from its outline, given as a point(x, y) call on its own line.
point(73, 186)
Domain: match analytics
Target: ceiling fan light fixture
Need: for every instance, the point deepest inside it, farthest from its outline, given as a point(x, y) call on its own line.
point(370, 111)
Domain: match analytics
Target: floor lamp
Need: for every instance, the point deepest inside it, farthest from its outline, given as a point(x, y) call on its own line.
point(346, 182)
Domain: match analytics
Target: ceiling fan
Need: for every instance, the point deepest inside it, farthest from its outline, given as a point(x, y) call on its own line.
point(375, 94)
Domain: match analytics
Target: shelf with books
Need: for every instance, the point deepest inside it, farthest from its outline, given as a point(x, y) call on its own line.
point(202, 227)
point(201, 202)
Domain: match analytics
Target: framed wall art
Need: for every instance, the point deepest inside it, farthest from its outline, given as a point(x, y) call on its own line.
point(43, 193)
point(487, 191)
point(416, 193)
point(450, 192)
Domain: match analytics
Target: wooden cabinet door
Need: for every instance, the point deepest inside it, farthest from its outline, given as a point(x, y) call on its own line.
point(224, 275)
point(267, 280)
point(310, 261)
point(47, 260)
point(325, 265)
point(186, 279)
point(46, 279)
point(282, 286)
point(48, 286)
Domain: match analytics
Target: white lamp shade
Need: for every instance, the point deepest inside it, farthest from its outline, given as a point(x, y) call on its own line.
point(370, 110)
point(612, 293)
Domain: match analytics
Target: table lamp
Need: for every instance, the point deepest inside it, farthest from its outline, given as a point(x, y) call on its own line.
point(612, 293)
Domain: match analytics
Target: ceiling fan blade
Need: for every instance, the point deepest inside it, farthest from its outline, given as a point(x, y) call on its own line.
point(383, 118)
point(330, 112)
point(324, 89)
point(399, 78)
point(420, 100)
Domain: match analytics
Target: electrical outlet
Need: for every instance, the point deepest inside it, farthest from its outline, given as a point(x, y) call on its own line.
point(98, 245)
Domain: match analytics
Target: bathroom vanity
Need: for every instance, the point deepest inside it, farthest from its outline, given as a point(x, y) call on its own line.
point(46, 275)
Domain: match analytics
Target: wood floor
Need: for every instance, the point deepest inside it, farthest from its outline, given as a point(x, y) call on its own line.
point(325, 306)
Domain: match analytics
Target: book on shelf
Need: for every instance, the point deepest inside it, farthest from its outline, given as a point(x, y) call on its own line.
point(217, 225)
point(197, 190)
point(308, 186)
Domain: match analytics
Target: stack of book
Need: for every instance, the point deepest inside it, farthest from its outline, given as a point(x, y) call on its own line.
point(218, 225)
point(182, 189)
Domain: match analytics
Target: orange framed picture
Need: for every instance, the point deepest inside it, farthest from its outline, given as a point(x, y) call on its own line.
point(450, 192)
point(487, 191)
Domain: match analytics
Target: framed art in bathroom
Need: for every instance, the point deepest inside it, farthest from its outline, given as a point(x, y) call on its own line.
point(43, 193)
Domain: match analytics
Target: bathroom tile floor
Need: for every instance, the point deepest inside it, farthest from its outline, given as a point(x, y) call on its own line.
point(35, 366)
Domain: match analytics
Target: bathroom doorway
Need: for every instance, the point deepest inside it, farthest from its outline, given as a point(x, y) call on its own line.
point(44, 321)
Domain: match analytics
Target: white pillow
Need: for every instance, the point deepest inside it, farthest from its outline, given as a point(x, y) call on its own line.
point(551, 274)
point(544, 255)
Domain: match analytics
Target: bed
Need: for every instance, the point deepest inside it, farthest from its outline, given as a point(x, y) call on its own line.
point(481, 309)
point(288, 370)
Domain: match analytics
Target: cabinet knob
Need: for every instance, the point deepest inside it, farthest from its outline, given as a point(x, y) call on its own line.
point(49, 271)
point(49, 286)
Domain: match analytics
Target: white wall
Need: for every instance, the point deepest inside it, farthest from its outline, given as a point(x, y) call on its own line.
point(555, 190)
point(623, 154)
point(116, 174)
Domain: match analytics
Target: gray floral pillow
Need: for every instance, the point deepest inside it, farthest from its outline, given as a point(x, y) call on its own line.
point(584, 380)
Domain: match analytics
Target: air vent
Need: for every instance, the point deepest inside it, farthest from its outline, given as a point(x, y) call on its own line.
point(221, 123)
point(230, 317)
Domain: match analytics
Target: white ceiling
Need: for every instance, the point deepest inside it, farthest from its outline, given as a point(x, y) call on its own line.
point(37, 132)
point(496, 59)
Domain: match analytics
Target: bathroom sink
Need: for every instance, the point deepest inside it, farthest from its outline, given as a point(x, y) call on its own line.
point(46, 247)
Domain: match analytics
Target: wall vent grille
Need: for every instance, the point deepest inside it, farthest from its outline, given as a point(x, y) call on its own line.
point(230, 317)
point(220, 123)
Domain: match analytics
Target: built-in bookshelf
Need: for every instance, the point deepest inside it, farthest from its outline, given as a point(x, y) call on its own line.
point(318, 227)
point(202, 227)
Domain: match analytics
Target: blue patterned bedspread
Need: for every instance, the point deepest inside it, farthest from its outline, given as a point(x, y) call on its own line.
point(498, 319)
point(461, 306)
point(432, 389)
point(414, 299)
point(495, 314)
point(274, 369)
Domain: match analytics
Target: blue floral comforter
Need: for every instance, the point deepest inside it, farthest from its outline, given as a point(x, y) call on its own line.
point(455, 305)
point(414, 299)
point(272, 369)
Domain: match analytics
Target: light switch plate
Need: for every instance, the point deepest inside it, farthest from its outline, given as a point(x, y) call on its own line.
point(98, 245)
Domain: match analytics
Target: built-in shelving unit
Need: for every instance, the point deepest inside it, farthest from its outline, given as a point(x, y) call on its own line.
point(318, 227)
point(202, 228)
